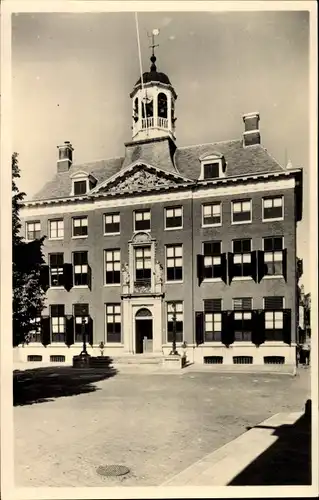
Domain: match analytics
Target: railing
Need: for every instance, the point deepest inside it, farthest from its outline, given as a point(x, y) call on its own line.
point(148, 122)
point(142, 286)
point(162, 122)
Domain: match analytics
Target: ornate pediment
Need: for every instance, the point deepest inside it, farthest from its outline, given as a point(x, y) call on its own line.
point(140, 180)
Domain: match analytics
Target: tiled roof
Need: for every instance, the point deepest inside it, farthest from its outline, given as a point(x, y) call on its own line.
point(161, 153)
point(239, 160)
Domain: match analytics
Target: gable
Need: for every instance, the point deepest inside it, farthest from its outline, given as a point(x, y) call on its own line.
point(138, 178)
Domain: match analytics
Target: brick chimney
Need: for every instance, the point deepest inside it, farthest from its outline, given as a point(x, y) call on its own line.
point(251, 134)
point(65, 157)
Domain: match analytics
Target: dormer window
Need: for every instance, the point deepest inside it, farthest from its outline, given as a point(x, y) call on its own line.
point(212, 167)
point(211, 170)
point(82, 183)
point(80, 187)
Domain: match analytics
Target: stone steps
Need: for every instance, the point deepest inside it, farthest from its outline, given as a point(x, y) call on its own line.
point(137, 359)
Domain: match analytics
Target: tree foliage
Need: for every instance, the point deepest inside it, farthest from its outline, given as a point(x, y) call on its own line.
point(27, 258)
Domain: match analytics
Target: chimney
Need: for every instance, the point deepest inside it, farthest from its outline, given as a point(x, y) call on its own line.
point(65, 157)
point(251, 134)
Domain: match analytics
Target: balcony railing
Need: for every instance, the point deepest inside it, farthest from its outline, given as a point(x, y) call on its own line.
point(162, 122)
point(151, 123)
point(142, 286)
point(148, 122)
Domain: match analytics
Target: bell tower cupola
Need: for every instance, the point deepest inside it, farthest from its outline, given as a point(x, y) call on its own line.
point(153, 104)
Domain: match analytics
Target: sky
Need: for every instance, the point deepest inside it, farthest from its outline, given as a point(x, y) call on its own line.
point(72, 75)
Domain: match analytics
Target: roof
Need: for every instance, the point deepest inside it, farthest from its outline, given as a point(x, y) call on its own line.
point(154, 76)
point(162, 153)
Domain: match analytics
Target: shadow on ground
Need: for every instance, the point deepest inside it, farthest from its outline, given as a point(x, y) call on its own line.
point(287, 461)
point(40, 385)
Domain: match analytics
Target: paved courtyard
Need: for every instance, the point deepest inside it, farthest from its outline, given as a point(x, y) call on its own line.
point(155, 424)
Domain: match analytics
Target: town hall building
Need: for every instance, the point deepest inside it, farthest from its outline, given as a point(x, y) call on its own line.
point(205, 234)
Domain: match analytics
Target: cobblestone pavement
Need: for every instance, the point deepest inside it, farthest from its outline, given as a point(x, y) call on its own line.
point(156, 425)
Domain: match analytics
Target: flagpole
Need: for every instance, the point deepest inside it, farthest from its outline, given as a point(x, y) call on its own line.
point(141, 70)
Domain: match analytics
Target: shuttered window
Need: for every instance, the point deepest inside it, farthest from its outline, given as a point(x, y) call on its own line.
point(273, 255)
point(242, 318)
point(274, 318)
point(242, 258)
point(212, 259)
point(272, 303)
point(80, 266)
point(57, 323)
point(56, 269)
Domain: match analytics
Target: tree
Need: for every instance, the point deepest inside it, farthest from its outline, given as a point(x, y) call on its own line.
point(27, 259)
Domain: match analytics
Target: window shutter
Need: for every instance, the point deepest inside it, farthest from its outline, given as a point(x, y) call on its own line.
point(287, 326)
point(90, 331)
point(227, 327)
point(230, 256)
point(212, 305)
point(284, 263)
point(45, 277)
point(89, 277)
point(254, 270)
point(224, 267)
point(45, 330)
point(199, 320)
point(200, 268)
point(69, 330)
point(68, 276)
point(258, 327)
point(261, 268)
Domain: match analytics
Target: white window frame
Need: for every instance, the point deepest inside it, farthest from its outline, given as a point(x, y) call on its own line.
point(49, 229)
point(282, 206)
point(218, 224)
point(243, 278)
point(212, 280)
point(87, 225)
point(208, 160)
point(273, 276)
point(80, 265)
point(165, 217)
point(105, 324)
point(141, 210)
point(26, 228)
point(183, 267)
point(232, 212)
point(82, 176)
point(104, 223)
point(104, 266)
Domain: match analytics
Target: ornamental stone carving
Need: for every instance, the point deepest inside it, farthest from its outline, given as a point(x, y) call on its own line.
point(141, 237)
point(126, 274)
point(158, 272)
point(140, 180)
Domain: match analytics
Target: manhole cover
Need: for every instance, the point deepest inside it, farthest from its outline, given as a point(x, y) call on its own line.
point(112, 470)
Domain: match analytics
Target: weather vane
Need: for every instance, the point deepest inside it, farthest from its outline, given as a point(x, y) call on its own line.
point(155, 33)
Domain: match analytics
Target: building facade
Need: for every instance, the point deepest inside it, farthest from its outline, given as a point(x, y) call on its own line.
point(208, 231)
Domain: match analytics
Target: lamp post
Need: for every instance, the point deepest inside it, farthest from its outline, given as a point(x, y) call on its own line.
point(173, 351)
point(84, 351)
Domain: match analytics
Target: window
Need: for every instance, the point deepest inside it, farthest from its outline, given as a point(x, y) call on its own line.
point(211, 214)
point(174, 218)
point(174, 262)
point(274, 318)
point(33, 230)
point(273, 255)
point(56, 229)
point(143, 267)
point(35, 332)
point(241, 211)
point(80, 311)
point(112, 267)
point(57, 323)
point(112, 223)
point(142, 220)
point(273, 208)
point(162, 105)
point(212, 259)
point(212, 320)
point(242, 319)
point(211, 170)
point(80, 226)
point(179, 317)
point(80, 262)
point(242, 258)
point(113, 323)
point(80, 187)
point(56, 269)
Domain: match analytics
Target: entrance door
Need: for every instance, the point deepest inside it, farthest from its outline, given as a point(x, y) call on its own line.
point(143, 331)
